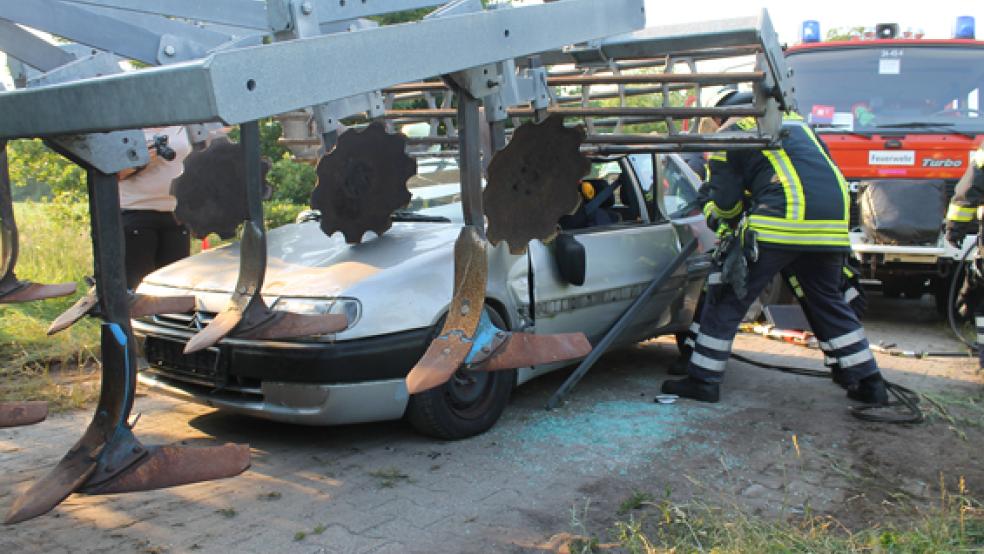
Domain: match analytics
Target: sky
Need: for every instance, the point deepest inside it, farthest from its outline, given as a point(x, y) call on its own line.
point(787, 16)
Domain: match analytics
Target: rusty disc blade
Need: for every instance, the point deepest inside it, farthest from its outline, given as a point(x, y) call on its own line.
point(215, 331)
point(533, 182)
point(289, 325)
point(169, 466)
point(36, 291)
point(526, 349)
point(15, 414)
point(143, 305)
point(211, 191)
point(448, 351)
point(74, 313)
point(46, 493)
point(362, 182)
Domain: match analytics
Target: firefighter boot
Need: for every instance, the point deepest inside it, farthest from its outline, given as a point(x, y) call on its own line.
point(694, 389)
point(870, 390)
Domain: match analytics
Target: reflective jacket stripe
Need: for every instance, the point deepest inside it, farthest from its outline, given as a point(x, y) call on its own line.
point(796, 226)
point(803, 239)
point(845, 194)
point(961, 213)
point(791, 184)
point(712, 209)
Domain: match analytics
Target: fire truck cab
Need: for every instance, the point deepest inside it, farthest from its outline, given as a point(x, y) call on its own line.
point(900, 115)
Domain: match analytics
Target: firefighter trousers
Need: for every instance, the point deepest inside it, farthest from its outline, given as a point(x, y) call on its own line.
point(834, 321)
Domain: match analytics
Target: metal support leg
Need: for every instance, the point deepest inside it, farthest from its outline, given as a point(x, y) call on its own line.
point(247, 315)
point(470, 152)
point(108, 457)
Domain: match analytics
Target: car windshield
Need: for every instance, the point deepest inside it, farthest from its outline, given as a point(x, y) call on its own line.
point(435, 190)
point(871, 88)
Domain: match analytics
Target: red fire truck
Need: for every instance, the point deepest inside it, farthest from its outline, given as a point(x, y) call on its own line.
point(900, 114)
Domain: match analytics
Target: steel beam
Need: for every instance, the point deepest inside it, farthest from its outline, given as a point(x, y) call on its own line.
point(86, 27)
point(252, 14)
point(31, 49)
point(243, 84)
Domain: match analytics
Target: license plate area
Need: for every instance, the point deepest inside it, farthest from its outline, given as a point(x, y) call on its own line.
point(205, 365)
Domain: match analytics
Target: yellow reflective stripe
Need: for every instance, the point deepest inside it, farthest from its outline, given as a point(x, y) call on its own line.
point(794, 226)
point(847, 272)
point(747, 123)
point(718, 156)
point(770, 220)
point(805, 240)
point(960, 213)
point(792, 116)
point(792, 187)
point(845, 194)
point(712, 209)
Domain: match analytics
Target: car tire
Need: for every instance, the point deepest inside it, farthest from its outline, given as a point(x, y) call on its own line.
point(467, 405)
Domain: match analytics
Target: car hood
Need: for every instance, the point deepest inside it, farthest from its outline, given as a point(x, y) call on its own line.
point(303, 262)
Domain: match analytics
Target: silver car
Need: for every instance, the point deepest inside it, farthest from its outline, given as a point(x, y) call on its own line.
point(395, 290)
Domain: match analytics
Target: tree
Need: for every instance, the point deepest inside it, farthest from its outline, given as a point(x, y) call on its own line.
point(32, 164)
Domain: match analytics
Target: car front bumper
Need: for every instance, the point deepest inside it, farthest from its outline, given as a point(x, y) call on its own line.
point(300, 403)
point(312, 383)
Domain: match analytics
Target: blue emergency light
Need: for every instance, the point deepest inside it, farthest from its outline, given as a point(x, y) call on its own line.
point(810, 32)
point(964, 27)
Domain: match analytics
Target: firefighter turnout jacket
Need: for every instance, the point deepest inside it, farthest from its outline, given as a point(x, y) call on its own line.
point(794, 196)
point(967, 197)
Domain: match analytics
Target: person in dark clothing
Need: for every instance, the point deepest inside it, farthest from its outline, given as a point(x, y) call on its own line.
point(968, 197)
point(786, 211)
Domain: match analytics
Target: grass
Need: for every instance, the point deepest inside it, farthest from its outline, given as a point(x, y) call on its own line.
point(53, 249)
point(956, 524)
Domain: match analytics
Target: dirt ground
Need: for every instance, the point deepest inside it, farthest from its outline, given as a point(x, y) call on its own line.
point(382, 488)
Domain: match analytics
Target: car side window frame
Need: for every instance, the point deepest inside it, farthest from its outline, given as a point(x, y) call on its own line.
point(660, 172)
point(633, 181)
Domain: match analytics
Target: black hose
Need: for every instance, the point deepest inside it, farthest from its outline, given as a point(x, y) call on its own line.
point(904, 397)
point(952, 299)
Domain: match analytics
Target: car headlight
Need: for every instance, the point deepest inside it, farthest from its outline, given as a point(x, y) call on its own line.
point(349, 307)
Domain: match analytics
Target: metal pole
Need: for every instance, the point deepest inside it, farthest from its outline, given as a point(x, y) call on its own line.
point(108, 254)
point(470, 146)
point(616, 330)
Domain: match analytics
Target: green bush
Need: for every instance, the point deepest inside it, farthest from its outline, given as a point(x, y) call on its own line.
point(292, 181)
point(277, 213)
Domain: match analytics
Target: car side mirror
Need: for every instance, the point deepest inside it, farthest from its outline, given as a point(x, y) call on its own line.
point(570, 257)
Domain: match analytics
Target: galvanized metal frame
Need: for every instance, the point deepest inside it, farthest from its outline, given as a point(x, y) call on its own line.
point(244, 84)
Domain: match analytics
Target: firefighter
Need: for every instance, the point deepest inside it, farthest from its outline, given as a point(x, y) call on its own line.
point(967, 198)
point(796, 222)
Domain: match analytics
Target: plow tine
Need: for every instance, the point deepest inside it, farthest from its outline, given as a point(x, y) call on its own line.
point(169, 466)
point(17, 414)
point(216, 330)
point(140, 305)
point(11, 289)
point(144, 304)
point(524, 350)
point(29, 292)
point(70, 473)
point(74, 313)
point(446, 353)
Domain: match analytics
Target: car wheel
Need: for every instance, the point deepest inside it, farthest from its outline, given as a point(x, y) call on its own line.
point(467, 405)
